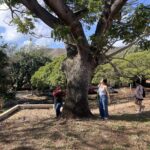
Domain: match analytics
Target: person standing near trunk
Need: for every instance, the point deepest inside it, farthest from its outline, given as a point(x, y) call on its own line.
point(58, 100)
point(103, 99)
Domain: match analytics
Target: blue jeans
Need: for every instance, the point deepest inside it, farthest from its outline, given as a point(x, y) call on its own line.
point(57, 108)
point(103, 106)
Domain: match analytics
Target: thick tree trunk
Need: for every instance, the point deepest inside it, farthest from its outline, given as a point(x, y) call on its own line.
point(78, 74)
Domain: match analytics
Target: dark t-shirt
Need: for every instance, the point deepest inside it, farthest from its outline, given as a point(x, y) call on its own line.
point(58, 99)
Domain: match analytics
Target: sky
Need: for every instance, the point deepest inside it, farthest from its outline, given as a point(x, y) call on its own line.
point(11, 36)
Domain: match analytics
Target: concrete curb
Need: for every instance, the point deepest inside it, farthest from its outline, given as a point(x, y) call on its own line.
point(12, 110)
point(35, 106)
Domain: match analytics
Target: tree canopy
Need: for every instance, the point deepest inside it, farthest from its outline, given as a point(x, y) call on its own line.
point(63, 15)
point(126, 69)
point(3, 71)
point(49, 75)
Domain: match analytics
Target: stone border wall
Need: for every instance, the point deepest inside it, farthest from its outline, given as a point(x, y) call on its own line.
point(16, 108)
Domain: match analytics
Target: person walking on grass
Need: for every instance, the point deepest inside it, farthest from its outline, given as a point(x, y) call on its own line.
point(103, 99)
point(139, 95)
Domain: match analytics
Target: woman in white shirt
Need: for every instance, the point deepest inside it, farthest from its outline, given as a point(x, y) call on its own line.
point(103, 100)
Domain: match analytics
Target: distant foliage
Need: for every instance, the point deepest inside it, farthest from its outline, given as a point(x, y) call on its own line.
point(23, 66)
point(3, 71)
point(49, 75)
point(134, 64)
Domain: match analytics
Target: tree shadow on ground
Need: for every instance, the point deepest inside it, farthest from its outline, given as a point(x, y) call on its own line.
point(143, 117)
point(23, 148)
point(32, 131)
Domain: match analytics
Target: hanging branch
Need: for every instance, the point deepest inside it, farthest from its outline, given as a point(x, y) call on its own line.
point(127, 46)
point(41, 13)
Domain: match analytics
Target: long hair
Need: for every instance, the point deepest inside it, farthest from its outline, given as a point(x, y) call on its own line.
point(104, 81)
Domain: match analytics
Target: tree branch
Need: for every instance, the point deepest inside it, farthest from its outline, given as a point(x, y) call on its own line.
point(127, 46)
point(110, 10)
point(41, 13)
point(79, 14)
point(117, 71)
point(70, 19)
point(127, 61)
point(61, 10)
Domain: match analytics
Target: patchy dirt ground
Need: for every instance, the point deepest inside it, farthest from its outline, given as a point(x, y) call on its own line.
point(39, 130)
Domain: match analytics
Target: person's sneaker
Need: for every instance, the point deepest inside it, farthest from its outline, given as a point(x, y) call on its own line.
point(105, 118)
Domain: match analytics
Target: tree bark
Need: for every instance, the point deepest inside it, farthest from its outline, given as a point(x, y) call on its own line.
point(78, 74)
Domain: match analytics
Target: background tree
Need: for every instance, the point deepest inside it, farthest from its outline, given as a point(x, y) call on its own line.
point(68, 18)
point(49, 75)
point(133, 65)
point(23, 65)
point(3, 71)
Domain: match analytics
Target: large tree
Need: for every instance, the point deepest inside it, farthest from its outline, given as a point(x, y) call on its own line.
point(113, 19)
